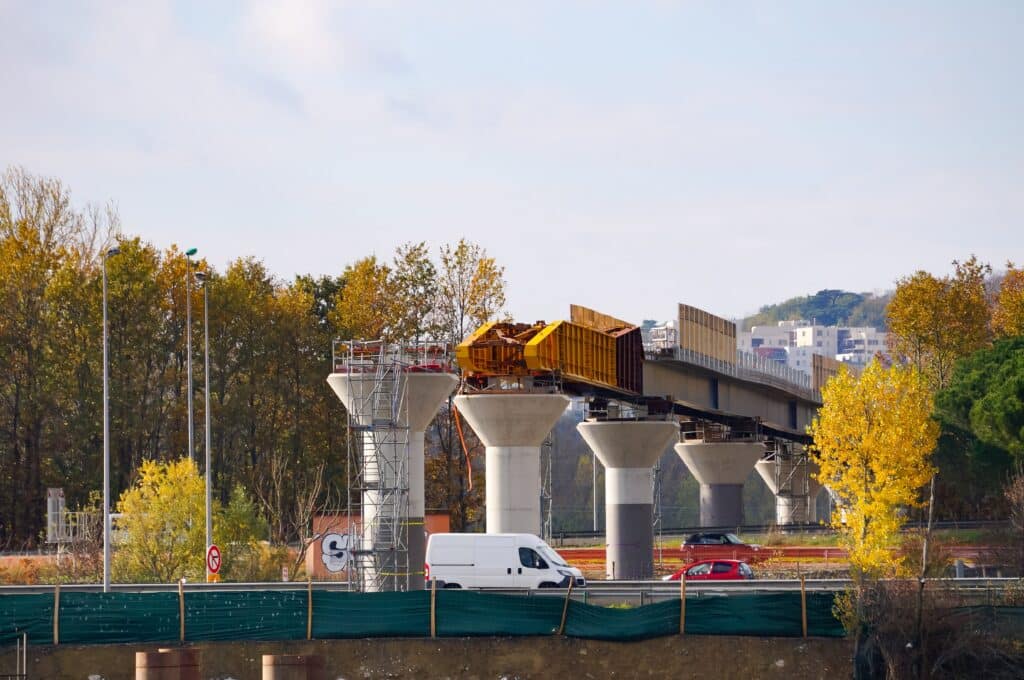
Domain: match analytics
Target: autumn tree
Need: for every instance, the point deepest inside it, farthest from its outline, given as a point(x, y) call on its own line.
point(873, 438)
point(933, 322)
point(366, 308)
point(1008, 311)
point(164, 525)
point(47, 248)
point(414, 286)
point(471, 290)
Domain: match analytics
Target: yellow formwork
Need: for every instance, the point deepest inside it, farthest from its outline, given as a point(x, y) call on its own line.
point(496, 348)
point(576, 351)
point(507, 349)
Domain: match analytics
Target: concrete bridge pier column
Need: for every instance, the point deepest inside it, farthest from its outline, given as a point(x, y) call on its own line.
point(791, 508)
point(721, 468)
point(512, 427)
point(426, 392)
point(628, 450)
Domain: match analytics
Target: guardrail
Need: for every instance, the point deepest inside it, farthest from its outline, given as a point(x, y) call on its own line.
point(792, 528)
point(744, 586)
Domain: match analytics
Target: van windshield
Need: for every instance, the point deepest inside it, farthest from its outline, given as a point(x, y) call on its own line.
point(550, 555)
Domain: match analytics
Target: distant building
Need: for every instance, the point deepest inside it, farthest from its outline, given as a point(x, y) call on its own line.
point(794, 343)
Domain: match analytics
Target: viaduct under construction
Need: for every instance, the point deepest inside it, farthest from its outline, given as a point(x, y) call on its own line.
point(724, 412)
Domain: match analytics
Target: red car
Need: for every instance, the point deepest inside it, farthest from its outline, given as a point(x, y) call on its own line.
point(713, 570)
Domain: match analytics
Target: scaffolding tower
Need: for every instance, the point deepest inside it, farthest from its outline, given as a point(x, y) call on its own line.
point(377, 469)
point(792, 469)
point(547, 457)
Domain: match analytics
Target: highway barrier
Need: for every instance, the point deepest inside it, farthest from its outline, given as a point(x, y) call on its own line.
point(214, 615)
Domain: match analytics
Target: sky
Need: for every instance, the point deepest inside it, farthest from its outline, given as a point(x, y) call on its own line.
point(626, 156)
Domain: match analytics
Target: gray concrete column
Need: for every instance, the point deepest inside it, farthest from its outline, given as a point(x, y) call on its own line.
point(721, 468)
point(512, 427)
point(628, 450)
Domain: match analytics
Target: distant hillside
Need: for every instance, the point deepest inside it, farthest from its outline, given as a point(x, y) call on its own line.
point(826, 307)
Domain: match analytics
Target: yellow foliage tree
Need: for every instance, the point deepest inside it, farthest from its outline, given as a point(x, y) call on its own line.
point(366, 306)
point(164, 520)
point(874, 437)
point(934, 322)
point(1008, 313)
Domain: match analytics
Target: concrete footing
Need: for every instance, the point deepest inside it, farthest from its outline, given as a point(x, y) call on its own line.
point(512, 427)
point(721, 468)
point(628, 450)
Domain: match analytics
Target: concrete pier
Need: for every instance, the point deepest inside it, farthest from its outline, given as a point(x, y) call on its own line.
point(628, 450)
point(721, 468)
point(425, 392)
point(512, 427)
point(383, 452)
point(795, 506)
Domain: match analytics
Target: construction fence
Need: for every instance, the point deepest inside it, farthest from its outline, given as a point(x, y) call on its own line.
point(194, 616)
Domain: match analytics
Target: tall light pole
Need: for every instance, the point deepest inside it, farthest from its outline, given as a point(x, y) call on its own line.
point(188, 343)
point(202, 279)
point(106, 430)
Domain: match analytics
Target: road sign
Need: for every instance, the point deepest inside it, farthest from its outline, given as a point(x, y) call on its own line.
point(213, 559)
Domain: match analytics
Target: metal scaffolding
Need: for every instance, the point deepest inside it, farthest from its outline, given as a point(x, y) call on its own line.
point(792, 469)
point(378, 462)
point(547, 458)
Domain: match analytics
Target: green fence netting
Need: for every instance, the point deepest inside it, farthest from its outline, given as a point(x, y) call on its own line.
point(94, 618)
point(32, 614)
point(360, 615)
point(606, 623)
point(254, 615)
point(462, 613)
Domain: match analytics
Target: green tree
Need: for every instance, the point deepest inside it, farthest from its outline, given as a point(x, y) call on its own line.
point(985, 397)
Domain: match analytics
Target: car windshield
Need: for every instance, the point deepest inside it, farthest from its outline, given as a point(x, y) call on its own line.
point(551, 555)
point(732, 538)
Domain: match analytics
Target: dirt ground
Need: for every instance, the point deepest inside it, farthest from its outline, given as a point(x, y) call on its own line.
point(492, 658)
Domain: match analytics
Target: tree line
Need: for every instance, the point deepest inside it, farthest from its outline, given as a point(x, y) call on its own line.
point(278, 432)
point(965, 334)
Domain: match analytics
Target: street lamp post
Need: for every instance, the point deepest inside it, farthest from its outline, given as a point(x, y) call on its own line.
point(201, 277)
point(188, 342)
point(106, 430)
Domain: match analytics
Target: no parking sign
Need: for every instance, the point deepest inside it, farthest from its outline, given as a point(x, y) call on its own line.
point(213, 559)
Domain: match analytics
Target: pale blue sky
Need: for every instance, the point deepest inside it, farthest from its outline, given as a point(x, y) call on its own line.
point(625, 156)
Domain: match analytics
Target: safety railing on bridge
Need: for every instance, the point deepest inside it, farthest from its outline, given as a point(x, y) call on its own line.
point(746, 367)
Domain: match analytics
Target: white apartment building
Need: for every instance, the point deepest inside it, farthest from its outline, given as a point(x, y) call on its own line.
point(802, 339)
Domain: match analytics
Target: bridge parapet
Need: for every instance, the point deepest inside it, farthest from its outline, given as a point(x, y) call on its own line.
point(748, 367)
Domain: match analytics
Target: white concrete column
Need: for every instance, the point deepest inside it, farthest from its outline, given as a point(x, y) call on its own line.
point(628, 450)
point(425, 394)
point(794, 507)
point(512, 427)
point(721, 469)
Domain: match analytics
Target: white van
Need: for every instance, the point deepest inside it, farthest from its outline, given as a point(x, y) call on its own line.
point(496, 561)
